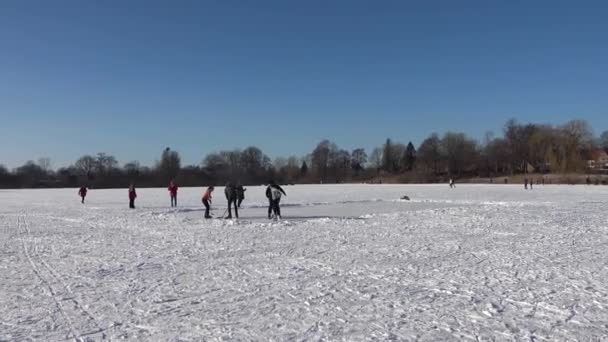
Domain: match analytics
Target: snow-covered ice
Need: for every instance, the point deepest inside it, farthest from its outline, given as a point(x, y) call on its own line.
point(346, 262)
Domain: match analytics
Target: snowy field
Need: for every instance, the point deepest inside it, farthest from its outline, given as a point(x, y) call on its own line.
point(346, 262)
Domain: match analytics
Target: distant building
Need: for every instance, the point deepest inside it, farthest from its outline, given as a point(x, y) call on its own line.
point(598, 161)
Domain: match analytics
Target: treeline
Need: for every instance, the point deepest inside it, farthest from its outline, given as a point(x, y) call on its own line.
point(523, 148)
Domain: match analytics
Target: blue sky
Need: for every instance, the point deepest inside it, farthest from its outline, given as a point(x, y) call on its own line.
point(132, 77)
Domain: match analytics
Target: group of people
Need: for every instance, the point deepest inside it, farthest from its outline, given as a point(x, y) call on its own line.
point(235, 194)
point(531, 182)
point(82, 192)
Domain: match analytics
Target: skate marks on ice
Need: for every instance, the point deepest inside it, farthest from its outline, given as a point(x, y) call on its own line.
point(57, 310)
point(251, 216)
point(481, 269)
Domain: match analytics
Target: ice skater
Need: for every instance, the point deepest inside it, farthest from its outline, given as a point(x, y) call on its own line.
point(273, 193)
point(132, 196)
point(82, 193)
point(452, 184)
point(207, 201)
point(173, 193)
point(526, 183)
point(240, 194)
point(231, 197)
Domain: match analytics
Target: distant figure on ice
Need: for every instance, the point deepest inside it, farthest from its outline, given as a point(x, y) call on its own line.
point(173, 193)
point(273, 193)
point(452, 184)
point(531, 184)
point(207, 201)
point(526, 183)
point(240, 194)
point(231, 197)
point(132, 196)
point(82, 193)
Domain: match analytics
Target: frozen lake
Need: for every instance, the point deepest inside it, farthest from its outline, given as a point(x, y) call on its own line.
point(346, 262)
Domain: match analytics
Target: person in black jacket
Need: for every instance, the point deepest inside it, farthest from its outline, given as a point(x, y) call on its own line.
point(231, 196)
point(273, 193)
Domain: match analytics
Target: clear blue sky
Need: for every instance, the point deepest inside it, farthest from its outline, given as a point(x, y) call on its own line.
point(132, 77)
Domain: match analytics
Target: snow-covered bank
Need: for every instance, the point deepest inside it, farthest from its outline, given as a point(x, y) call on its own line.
point(346, 262)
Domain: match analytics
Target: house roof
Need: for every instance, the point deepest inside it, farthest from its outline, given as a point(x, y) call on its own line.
point(598, 154)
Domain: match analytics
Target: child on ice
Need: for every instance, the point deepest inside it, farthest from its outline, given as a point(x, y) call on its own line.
point(82, 193)
point(173, 193)
point(132, 196)
point(207, 201)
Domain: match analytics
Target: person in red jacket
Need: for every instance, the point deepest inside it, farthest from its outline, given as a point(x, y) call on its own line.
point(132, 196)
point(173, 193)
point(82, 193)
point(207, 200)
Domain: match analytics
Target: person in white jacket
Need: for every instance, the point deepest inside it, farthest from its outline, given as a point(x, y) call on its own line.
point(274, 193)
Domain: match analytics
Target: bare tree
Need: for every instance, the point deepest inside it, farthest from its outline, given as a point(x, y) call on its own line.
point(293, 169)
point(460, 152)
point(398, 152)
point(254, 164)
point(233, 161)
point(86, 166)
point(30, 174)
point(45, 164)
point(518, 139)
point(132, 168)
point(375, 159)
point(430, 154)
point(541, 147)
point(321, 158)
point(279, 163)
point(105, 163)
point(340, 165)
point(579, 132)
point(252, 159)
point(496, 153)
point(388, 155)
point(169, 165)
point(576, 140)
point(358, 159)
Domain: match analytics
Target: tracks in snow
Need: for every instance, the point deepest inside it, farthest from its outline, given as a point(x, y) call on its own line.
point(55, 286)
